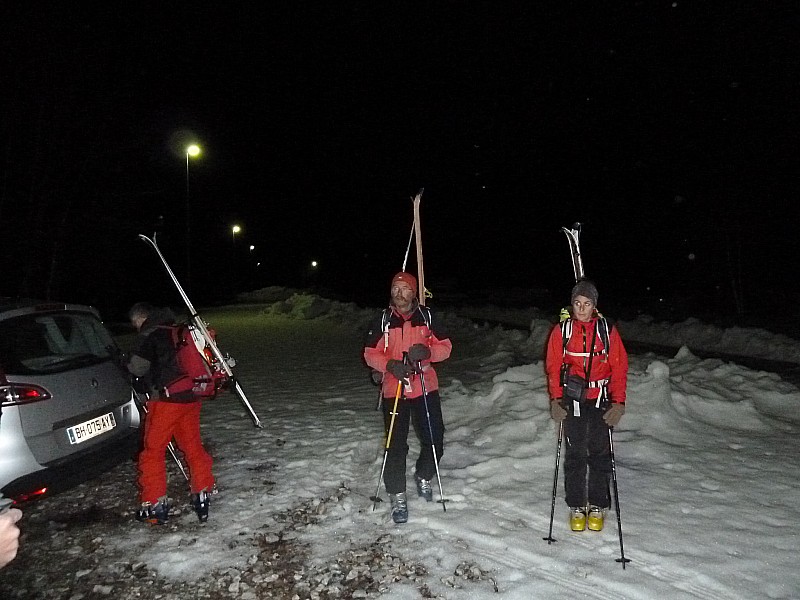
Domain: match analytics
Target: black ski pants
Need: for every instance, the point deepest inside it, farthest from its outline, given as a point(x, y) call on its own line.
point(412, 411)
point(587, 448)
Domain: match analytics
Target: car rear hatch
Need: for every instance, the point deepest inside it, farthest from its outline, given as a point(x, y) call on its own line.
point(67, 356)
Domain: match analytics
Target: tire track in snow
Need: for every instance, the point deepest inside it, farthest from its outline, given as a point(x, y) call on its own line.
point(523, 556)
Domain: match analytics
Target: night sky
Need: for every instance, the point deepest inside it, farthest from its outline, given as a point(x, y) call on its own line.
point(669, 129)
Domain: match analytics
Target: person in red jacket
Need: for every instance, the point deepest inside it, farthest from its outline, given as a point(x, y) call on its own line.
point(587, 369)
point(403, 342)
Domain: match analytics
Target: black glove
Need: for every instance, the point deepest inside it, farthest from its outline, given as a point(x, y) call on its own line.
point(399, 369)
point(418, 352)
point(118, 356)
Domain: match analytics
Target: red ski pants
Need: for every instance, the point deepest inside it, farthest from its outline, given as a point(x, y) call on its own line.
point(164, 421)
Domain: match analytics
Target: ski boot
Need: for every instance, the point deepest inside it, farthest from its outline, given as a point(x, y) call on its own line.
point(200, 502)
point(155, 514)
point(399, 507)
point(596, 518)
point(424, 489)
point(577, 518)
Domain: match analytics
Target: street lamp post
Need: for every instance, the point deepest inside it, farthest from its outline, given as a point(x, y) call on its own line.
point(191, 150)
point(234, 230)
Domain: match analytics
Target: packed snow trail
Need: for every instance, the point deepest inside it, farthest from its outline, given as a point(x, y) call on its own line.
point(706, 456)
point(685, 447)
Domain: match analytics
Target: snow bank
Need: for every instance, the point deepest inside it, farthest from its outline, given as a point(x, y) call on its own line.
point(691, 333)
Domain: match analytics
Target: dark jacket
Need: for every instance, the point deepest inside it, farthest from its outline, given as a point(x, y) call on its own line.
point(153, 358)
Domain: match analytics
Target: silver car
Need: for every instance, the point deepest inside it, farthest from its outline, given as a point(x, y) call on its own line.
point(67, 410)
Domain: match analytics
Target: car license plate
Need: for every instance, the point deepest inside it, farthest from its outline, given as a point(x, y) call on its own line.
point(91, 428)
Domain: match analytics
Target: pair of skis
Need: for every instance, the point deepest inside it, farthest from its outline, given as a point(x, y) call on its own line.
point(416, 234)
point(220, 362)
point(573, 237)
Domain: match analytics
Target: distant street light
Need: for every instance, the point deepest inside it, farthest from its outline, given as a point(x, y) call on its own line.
point(192, 150)
point(234, 230)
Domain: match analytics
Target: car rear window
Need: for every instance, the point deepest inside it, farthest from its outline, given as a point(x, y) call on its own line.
point(52, 342)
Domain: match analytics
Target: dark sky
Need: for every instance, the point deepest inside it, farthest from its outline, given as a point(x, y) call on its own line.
point(668, 128)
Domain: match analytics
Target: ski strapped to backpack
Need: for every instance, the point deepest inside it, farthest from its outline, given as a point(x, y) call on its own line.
point(222, 362)
point(195, 362)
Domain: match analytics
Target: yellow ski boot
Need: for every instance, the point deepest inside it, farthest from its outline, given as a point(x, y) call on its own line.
point(577, 518)
point(596, 517)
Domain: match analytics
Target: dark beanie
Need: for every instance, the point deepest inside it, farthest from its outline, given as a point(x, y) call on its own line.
point(584, 288)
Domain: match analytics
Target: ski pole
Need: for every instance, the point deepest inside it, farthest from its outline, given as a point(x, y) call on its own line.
point(198, 322)
point(170, 446)
point(550, 539)
point(376, 498)
point(430, 432)
point(621, 558)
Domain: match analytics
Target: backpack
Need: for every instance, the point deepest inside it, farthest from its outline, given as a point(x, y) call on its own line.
point(198, 376)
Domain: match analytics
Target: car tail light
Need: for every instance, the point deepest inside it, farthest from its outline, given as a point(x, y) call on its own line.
point(22, 393)
point(30, 496)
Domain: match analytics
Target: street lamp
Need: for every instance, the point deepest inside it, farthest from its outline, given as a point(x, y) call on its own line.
point(234, 230)
point(192, 150)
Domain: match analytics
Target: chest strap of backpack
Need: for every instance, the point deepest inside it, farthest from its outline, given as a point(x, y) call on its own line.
point(601, 327)
point(386, 319)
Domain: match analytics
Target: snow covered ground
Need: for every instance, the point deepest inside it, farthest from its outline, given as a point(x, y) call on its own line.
point(706, 458)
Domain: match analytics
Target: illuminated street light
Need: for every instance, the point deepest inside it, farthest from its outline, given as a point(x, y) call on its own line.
point(192, 150)
point(314, 264)
point(234, 230)
point(252, 248)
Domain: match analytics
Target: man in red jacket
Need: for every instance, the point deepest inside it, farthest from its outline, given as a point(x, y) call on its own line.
point(587, 369)
point(403, 342)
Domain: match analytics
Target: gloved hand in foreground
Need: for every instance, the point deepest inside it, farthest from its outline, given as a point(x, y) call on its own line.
point(418, 352)
point(614, 414)
point(557, 412)
point(399, 369)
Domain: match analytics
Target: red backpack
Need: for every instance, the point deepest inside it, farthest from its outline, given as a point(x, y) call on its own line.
point(199, 375)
